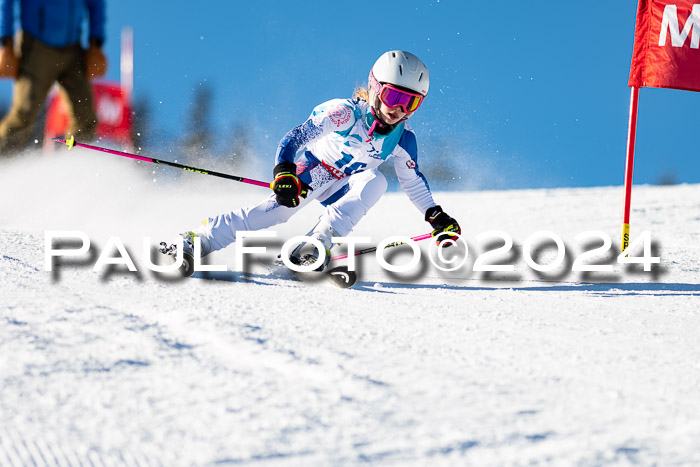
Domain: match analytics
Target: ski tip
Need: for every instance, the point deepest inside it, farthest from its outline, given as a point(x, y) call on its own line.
point(342, 277)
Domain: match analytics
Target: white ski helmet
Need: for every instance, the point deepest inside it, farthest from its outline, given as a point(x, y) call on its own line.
point(401, 69)
point(404, 71)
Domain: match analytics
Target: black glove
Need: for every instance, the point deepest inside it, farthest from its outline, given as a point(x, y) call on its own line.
point(287, 186)
point(442, 224)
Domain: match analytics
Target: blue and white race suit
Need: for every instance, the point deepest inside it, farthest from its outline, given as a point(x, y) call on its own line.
point(338, 159)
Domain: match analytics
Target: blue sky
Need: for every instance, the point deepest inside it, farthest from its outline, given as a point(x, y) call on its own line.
point(523, 94)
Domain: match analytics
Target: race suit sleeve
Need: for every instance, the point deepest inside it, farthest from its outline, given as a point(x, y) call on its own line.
point(96, 10)
point(333, 116)
point(411, 179)
point(6, 18)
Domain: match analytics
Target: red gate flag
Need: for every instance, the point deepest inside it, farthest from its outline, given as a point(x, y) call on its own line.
point(667, 45)
point(113, 113)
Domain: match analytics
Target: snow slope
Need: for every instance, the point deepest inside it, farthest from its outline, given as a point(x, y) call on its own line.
point(117, 368)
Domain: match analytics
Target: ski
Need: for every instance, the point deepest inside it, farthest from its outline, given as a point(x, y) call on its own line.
point(340, 276)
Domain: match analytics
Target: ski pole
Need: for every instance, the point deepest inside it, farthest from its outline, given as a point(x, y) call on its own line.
point(417, 238)
point(71, 142)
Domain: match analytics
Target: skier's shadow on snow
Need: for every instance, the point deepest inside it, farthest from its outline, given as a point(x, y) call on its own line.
point(615, 289)
point(589, 281)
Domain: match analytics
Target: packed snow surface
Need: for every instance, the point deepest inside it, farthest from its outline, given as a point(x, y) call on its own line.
point(112, 367)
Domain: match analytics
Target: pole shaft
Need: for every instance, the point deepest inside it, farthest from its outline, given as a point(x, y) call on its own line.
point(629, 165)
point(169, 164)
point(374, 248)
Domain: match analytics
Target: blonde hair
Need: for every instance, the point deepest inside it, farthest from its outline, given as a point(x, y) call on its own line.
point(361, 92)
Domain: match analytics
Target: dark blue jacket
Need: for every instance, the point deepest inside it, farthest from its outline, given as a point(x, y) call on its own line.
point(54, 22)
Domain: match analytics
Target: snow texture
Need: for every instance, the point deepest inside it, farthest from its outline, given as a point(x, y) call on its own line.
point(430, 368)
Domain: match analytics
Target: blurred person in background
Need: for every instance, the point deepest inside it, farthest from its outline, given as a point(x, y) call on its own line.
point(47, 50)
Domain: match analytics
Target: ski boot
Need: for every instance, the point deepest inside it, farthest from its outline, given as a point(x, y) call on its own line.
point(187, 267)
point(323, 233)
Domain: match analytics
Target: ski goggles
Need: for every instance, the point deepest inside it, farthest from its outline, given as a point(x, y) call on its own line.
point(392, 96)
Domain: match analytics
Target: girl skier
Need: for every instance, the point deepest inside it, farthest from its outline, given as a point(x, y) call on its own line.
point(333, 157)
